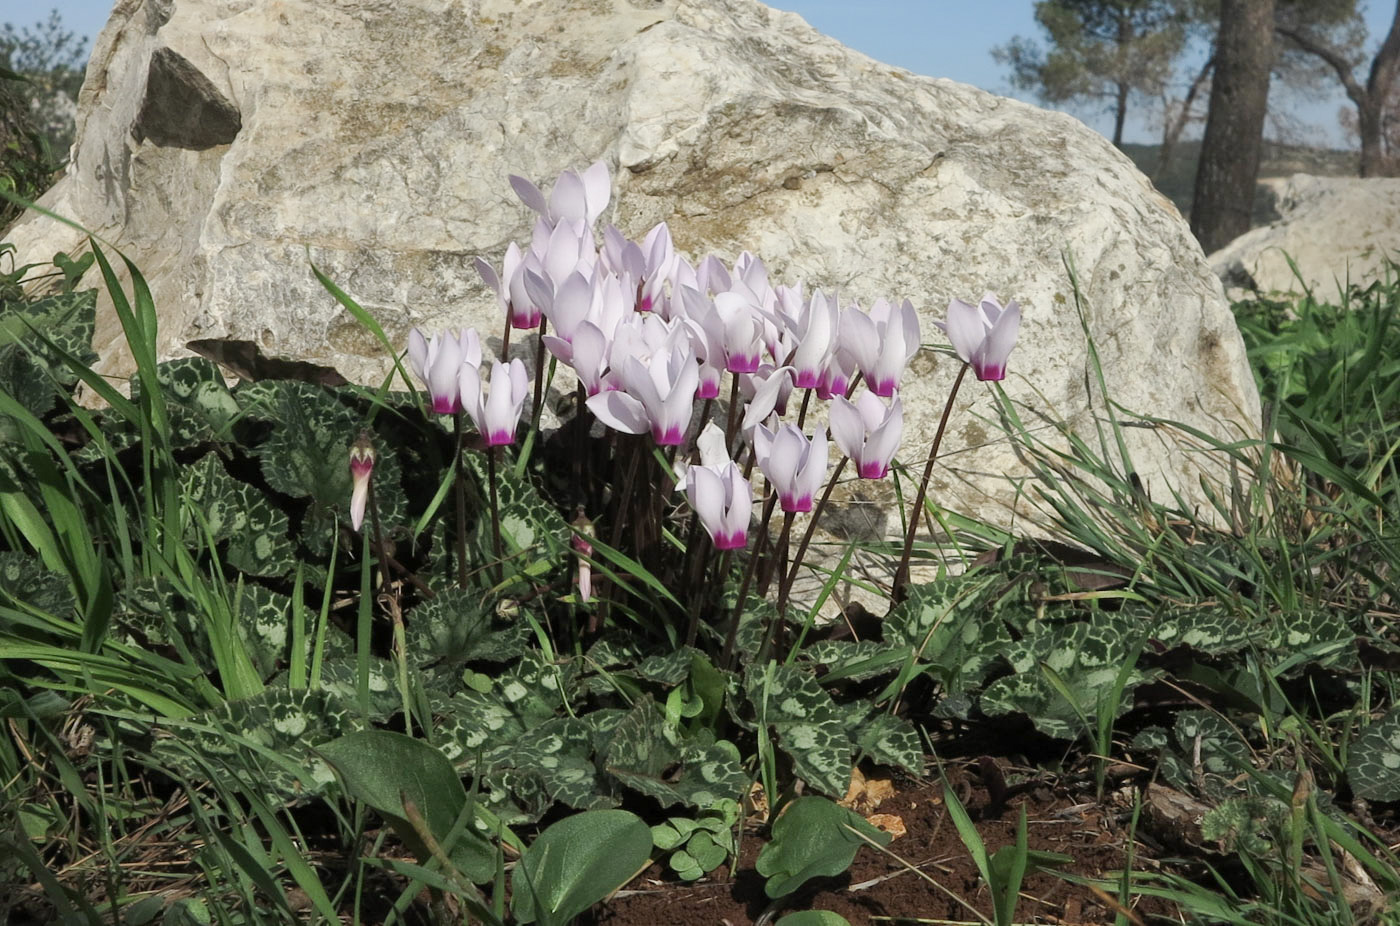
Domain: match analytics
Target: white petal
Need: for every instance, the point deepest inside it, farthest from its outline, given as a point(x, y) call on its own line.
point(710, 443)
point(620, 411)
point(539, 289)
point(444, 369)
point(597, 187)
point(567, 200)
point(705, 490)
point(529, 194)
point(814, 470)
point(469, 380)
point(848, 428)
point(785, 459)
point(418, 353)
point(965, 329)
point(739, 498)
point(860, 338)
point(1002, 338)
point(909, 321)
point(488, 275)
point(884, 440)
point(470, 342)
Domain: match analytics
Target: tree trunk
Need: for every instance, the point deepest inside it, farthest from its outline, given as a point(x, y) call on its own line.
point(1368, 123)
point(1371, 99)
point(1175, 126)
point(1239, 95)
point(1380, 83)
point(1120, 114)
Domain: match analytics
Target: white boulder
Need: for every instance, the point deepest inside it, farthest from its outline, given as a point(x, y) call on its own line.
point(1336, 230)
point(222, 142)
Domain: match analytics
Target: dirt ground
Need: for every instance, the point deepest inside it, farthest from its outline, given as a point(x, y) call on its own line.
point(879, 889)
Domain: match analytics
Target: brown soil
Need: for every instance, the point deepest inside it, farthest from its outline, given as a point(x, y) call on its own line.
point(878, 889)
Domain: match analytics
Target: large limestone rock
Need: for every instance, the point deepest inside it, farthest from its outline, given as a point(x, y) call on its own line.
point(1337, 230)
point(220, 140)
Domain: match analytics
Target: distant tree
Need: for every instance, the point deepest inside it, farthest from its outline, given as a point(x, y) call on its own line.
point(1372, 99)
point(1102, 52)
point(1336, 20)
point(1223, 201)
point(25, 165)
point(1390, 128)
point(50, 62)
point(1177, 114)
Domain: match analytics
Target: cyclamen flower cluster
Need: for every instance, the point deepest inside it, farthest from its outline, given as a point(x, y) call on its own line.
point(647, 333)
point(449, 364)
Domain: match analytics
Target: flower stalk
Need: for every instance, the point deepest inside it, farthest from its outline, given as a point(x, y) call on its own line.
point(900, 590)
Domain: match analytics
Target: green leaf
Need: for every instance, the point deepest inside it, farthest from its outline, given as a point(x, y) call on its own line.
point(264, 622)
point(266, 739)
point(1059, 672)
point(200, 404)
point(533, 533)
point(1315, 637)
point(1214, 631)
point(813, 918)
point(857, 661)
point(306, 455)
point(813, 838)
point(639, 752)
point(667, 836)
point(33, 338)
point(953, 627)
point(25, 579)
point(1373, 767)
point(188, 911)
point(553, 763)
point(459, 626)
point(807, 722)
point(707, 853)
point(241, 515)
point(1246, 824)
point(577, 862)
point(1007, 868)
point(886, 739)
point(389, 771)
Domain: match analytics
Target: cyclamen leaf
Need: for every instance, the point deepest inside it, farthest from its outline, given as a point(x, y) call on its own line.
point(1213, 631)
point(33, 371)
point(1373, 767)
point(457, 626)
point(577, 862)
point(946, 623)
point(808, 725)
point(24, 578)
point(238, 513)
point(306, 455)
point(886, 739)
point(267, 739)
point(1055, 663)
point(390, 771)
point(812, 838)
point(199, 402)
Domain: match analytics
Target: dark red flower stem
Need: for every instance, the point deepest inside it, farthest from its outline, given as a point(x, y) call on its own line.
point(773, 634)
point(900, 591)
point(727, 658)
point(495, 514)
point(812, 524)
point(459, 497)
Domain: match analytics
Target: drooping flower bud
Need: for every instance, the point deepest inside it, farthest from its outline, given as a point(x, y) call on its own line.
point(583, 532)
point(361, 467)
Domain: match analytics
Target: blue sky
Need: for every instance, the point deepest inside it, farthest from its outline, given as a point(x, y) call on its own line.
point(942, 38)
